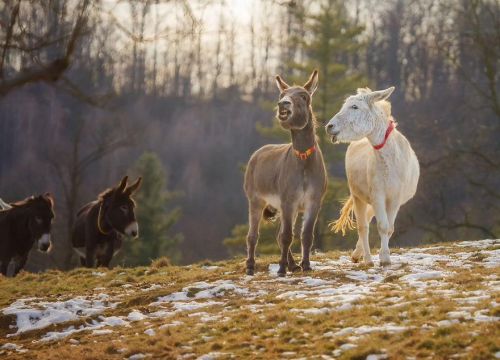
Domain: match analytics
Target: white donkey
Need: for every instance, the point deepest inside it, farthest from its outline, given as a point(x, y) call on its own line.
point(382, 169)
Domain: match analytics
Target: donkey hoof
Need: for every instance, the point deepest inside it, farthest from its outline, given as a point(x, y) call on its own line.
point(250, 272)
point(369, 263)
point(306, 266)
point(294, 268)
point(355, 259)
point(385, 263)
point(282, 271)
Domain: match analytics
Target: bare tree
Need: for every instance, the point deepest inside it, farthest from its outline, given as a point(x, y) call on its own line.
point(20, 43)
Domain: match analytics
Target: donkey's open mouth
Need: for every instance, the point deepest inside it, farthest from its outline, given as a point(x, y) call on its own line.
point(284, 114)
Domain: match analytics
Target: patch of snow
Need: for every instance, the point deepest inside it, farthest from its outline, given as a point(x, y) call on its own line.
point(459, 315)
point(173, 323)
point(309, 281)
point(33, 315)
point(426, 275)
point(137, 356)
point(210, 267)
point(447, 323)
point(212, 356)
point(152, 287)
point(102, 332)
point(150, 332)
point(363, 276)
point(377, 357)
point(98, 273)
point(481, 244)
point(205, 291)
point(313, 311)
point(273, 269)
point(15, 347)
point(365, 329)
point(136, 315)
point(194, 305)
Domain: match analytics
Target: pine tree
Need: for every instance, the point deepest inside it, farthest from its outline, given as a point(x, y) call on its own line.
point(154, 214)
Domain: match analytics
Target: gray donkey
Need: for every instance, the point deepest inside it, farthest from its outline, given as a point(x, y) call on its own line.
point(287, 178)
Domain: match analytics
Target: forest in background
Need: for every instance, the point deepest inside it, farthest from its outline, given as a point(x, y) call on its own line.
point(183, 92)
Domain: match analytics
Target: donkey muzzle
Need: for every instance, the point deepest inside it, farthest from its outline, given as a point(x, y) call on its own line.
point(284, 108)
point(331, 131)
point(44, 243)
point(132, 229)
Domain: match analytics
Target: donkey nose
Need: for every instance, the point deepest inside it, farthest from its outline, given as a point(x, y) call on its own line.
point(133, 233)
point(284, 102)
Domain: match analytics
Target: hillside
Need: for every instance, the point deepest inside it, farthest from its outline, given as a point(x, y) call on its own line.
point(435, 302)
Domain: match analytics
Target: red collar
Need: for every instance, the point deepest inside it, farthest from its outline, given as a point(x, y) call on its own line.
point(304, 155)
point(391, 127)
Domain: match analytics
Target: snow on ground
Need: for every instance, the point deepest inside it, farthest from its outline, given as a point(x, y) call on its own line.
point(35, 314)
point(416, 270)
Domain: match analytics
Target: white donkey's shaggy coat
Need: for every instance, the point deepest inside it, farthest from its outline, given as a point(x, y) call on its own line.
point(380, 181)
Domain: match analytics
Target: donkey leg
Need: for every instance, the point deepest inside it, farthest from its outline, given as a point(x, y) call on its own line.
point(362, 225)
point(108, 255)
point(90, 256)
point(285, 239)
point(384, 229)
point(307, 236)
point(254, 213)
point(358, 252)
point(19, 264)
point(385, 255)
point(5, 266)
point(292, 265)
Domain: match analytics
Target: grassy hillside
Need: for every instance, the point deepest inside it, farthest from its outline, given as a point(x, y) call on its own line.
point(438, 302)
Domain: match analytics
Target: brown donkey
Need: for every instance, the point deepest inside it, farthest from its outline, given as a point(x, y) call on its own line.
point(100, 224)
point(21, 224)
point(287, 178)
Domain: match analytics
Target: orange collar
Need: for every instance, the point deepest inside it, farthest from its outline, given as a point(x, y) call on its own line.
point(304, 155)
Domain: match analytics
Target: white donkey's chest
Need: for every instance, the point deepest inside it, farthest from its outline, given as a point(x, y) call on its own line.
point(396, 172)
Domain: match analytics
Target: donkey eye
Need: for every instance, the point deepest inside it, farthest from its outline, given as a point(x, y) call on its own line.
point(355, 107)
point(38, 220)
point(304, 97)
point(124, 208)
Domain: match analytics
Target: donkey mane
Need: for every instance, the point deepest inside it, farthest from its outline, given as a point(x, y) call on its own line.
point(31, 199)
point(23, 202)
point(105, 194)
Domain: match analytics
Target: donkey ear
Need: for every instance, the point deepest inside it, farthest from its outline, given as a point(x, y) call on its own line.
point(49, 197)
point(380, 95)
point(365, 90)
point(312, 84)
point(134, 187)
point(123, 184)
point(282, 85)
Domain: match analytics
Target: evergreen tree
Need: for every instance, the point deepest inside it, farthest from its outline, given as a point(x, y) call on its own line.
point(154, 214)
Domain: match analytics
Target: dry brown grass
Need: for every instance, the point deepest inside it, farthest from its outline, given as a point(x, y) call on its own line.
point(278, 327)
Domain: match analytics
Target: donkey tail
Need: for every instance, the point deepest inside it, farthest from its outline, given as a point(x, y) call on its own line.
point(270, 213)
point(346, 219)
